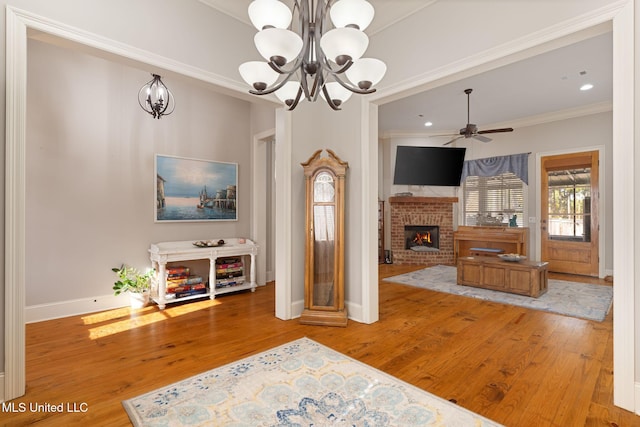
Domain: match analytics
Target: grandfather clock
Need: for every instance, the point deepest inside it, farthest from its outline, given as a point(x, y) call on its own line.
point(324, 249)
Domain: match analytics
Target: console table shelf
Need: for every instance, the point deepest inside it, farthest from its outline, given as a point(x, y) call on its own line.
point(167, 252)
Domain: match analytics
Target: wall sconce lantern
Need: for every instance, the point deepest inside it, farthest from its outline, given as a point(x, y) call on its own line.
point(155, 98)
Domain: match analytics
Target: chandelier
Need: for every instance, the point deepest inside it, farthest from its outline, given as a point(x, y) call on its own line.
point(155, 98)
point(319, 60)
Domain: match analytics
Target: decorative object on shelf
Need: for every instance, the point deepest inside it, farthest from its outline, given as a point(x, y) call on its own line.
point(208, 243)
point(155, 98)
point(229, 272)
point(512, 257)
point(181, 283)
point(134, 282)
point(315, 54)
point(195, 190)
point(324, 254)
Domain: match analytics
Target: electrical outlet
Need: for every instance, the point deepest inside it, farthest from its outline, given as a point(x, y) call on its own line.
point(532, 219)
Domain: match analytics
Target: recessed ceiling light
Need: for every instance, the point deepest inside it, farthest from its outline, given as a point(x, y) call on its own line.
point(587, 86)
point(427, 124)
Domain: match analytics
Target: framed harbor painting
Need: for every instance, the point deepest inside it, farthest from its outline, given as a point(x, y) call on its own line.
point(195, 190)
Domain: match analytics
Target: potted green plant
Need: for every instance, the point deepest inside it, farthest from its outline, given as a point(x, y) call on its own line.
point(134, 282)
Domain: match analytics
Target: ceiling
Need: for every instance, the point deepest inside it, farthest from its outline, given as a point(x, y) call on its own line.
point(541, 88)
point(388, 12)
point(531, 91)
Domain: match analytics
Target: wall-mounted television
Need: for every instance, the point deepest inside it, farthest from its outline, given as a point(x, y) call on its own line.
point(438, 166)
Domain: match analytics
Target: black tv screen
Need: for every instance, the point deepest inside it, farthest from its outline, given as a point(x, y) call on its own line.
point(438, 166)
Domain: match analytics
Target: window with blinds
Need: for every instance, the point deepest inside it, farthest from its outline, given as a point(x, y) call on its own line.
point(493, 200)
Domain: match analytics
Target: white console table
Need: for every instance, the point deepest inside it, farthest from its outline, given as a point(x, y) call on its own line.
point(162, 253)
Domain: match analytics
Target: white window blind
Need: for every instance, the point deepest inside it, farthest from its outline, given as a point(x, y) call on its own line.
point(493, 200)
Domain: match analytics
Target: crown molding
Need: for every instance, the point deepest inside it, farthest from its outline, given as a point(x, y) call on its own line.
point(553, 116)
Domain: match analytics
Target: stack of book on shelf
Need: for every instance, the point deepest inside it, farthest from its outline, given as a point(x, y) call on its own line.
point(229, 272)
point(181, 284)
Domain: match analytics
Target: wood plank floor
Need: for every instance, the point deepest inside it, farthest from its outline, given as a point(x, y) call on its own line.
point(516, 366)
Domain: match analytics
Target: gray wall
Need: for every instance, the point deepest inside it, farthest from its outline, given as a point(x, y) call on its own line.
point(90, 168)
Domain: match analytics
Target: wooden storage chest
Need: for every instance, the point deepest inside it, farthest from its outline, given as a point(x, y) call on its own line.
point(522, 277)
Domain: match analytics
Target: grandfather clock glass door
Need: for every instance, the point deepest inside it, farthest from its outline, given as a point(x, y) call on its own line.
point(324, 241)
point(324, 258)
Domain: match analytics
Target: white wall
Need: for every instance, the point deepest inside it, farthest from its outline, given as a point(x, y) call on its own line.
point(343, 138)
point(90, 169)
point(574, 134)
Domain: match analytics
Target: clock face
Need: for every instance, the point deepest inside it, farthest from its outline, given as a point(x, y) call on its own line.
point(324, 188)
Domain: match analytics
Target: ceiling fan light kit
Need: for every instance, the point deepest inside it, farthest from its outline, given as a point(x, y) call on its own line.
point(471, 130)
point(317, 59)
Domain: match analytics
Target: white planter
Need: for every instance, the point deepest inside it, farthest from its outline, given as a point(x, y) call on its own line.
point(138, 300)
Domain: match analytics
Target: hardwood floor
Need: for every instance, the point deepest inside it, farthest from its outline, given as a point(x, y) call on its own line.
point(516, 366)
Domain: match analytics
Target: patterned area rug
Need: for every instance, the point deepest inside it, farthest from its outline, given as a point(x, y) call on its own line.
point(301, 383)
point(583, 300)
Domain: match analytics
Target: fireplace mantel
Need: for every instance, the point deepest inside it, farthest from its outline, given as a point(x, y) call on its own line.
point(416, 199)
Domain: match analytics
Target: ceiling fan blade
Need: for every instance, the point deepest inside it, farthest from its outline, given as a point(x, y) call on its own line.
point(453, 140)
point(481, 138)
point(495, 130)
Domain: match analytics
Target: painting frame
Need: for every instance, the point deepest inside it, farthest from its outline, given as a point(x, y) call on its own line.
point(194, 190)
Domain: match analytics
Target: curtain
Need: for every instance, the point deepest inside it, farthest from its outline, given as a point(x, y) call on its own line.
point(518, 164)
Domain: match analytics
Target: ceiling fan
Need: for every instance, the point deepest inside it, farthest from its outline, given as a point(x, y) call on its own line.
point(471, 130)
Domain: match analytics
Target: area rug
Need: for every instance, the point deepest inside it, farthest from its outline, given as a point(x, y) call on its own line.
point(302, 383)
point(583, 300)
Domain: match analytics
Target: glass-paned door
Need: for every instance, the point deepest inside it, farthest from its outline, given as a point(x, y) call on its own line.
point(569, 206)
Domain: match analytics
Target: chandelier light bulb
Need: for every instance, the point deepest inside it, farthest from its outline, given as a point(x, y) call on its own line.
point(269, 13)
point(258, 74)
point(278, 45)
point(288, 92)
point(366, 72)
point(358, 13)
point(343, 44)
point(338, 94)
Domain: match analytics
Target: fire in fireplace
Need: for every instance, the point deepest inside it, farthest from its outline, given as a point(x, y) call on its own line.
point(422, 238)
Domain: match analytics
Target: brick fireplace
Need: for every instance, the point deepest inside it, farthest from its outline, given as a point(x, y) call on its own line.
point(419, 215)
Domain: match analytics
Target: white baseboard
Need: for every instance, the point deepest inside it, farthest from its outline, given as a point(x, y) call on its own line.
point(296, 309)
point(56, 310)
point(637, 399)
point(1, 387)
point(354, 311)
